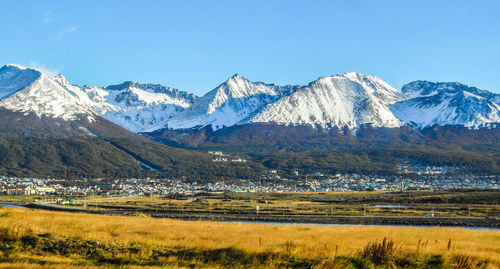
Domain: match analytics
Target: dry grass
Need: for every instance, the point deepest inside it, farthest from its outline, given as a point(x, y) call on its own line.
point(292, 205)
point(303, 241)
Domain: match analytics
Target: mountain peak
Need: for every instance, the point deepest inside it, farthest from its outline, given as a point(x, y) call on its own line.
point(238, 86)
point(28, 90)
point(354, 74)
point(423, 88)
point(236, 77)
point(14, 78)
point(351, 100)
point(37, 69)
point(355, 77)
point(119, 87)
point(447, 103)
point(14, 65)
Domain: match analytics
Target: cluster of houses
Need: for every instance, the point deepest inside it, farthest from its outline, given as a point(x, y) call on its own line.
point(27, 186)
point(269, 181)
point(28, 190)
point(409, 176)
point(350, 182)
point(405, 167)
point(218, 156)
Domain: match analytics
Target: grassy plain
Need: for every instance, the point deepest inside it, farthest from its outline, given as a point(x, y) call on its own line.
point(37, 238)
point(464, 203)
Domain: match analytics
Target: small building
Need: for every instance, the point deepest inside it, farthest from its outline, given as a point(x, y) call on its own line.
point(44, 190)
point(65, 201)
point(215, 152)
point(15, 191)
point(317, 174)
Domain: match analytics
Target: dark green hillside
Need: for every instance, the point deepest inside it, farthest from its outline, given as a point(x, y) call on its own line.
point(63, 158)
point(271, 138)
point(43, 146)
point(30, 125)
point(370, 150)
point(379, 160)
point(85, 157)
point(181, 162)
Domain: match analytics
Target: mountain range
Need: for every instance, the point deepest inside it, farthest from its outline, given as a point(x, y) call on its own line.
point(337, 112)
point(349, 100)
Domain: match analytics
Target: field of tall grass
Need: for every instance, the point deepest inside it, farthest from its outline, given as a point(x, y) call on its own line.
point(36, 238)
point(415, 203)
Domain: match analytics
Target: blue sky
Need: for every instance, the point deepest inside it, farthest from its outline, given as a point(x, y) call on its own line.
point(196, 45)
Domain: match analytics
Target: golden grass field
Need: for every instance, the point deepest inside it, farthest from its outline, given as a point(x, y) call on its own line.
point(464, 203)
point(323, 204)
point(305, 241)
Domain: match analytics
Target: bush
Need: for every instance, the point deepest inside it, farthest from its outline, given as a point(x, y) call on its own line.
point(29, 241)
point(7, 235)
point(463, 262)
point(380, 253)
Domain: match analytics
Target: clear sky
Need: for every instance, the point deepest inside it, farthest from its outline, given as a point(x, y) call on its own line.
point(196, 45)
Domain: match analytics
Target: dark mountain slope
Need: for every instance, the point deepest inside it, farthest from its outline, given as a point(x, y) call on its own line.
point(252, 138)
point(43, 146)
point(367, 149)
point(79, 157)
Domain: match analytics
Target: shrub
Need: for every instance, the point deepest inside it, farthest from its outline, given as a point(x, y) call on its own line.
point(29, 240)
point(380, 253)
point(7, 235)
point(463, 262)
point(289, 246)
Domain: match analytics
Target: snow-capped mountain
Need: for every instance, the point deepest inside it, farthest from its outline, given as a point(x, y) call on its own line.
point(138, 107)
point(232, 102)
point(447, 103)
point(350, 100)
point(28, 90)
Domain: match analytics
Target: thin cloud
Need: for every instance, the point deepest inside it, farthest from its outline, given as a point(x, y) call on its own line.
point(66, 31)
point(47, 17)
point(44, 69)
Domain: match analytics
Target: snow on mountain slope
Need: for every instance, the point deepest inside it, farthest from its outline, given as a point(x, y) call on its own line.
point(348, 100)
point(447, 103)
point(228, 104)
point(14, 78)
point(29, 90)
point(138, 107)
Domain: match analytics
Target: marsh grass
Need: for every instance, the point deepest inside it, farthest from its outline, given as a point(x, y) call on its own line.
point(45, 238)
point(443, 203)
point(380, 253)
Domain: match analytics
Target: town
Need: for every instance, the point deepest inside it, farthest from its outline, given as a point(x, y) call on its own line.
point(270, 181)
